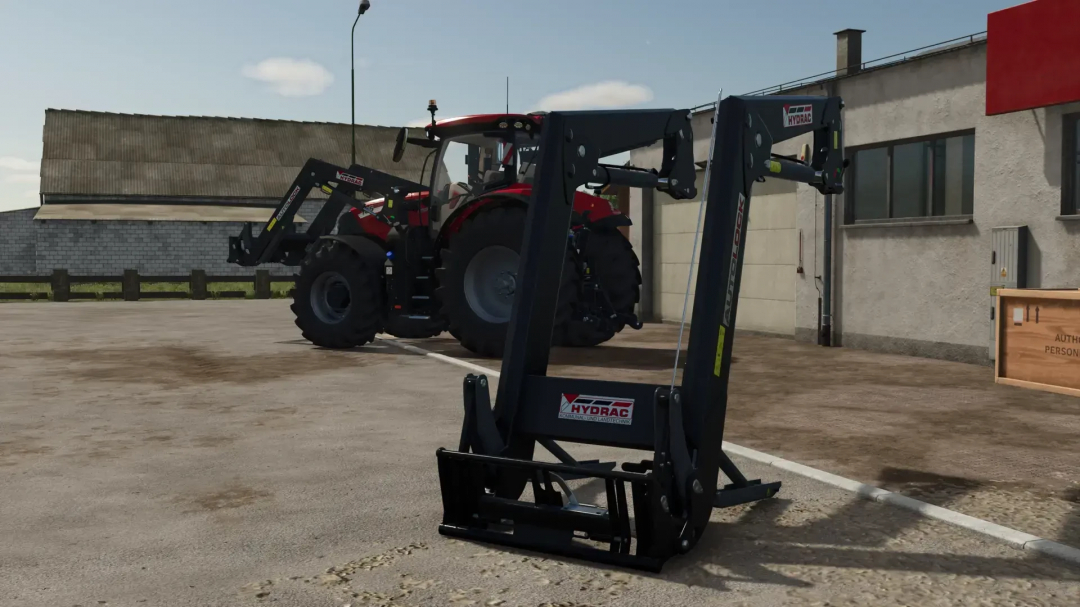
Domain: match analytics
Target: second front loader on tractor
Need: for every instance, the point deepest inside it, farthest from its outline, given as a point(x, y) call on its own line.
point(424, 257)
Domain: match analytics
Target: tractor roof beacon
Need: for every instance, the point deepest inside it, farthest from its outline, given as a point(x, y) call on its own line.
point(675, 490)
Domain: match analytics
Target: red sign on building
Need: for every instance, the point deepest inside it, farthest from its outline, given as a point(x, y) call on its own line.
point(1033, 56)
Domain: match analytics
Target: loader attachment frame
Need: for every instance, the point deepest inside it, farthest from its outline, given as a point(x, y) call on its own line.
point(279, 242)
point(674, 491)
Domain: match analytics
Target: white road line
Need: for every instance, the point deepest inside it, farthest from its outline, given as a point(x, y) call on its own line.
point(870, 492)
point(442, 357)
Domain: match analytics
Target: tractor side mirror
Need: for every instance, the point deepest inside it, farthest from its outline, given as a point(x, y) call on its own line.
point(399, 147)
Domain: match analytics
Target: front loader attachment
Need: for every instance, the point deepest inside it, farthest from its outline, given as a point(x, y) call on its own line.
point(279, 242)
point(492, 488)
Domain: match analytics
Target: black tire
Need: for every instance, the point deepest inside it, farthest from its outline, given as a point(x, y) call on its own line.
point(474, 327)
point(413, 328)
point(615, 266)
point(323, 316)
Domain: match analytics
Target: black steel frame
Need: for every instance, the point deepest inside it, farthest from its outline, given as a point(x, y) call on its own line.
point(675, 491)
point(278, 242)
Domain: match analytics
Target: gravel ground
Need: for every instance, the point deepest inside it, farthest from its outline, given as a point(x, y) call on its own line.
point(938, 431)
point(197, 453)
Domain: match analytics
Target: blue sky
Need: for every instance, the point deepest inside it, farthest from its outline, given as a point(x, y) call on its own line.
point(290, 58)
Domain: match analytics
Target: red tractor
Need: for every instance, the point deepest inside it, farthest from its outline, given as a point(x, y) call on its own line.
point(424, 258)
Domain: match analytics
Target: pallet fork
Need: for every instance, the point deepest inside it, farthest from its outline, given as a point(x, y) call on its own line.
point(674, 492)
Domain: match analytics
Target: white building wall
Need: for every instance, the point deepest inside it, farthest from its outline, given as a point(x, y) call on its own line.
point(918, 289)
point(767, 296)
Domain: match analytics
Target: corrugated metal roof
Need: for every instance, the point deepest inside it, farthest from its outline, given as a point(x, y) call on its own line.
point(155, 212)
point(101, 153)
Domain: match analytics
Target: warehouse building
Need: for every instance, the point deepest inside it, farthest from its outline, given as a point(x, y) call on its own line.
point(951, 147)
point(162, 194)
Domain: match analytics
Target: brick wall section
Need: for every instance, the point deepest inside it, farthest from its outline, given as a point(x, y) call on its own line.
point(107, 248)
point(17, 242)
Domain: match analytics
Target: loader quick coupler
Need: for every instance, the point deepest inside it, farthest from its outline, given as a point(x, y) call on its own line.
point(493, 488)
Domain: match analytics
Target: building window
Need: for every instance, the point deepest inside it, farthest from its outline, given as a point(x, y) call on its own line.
point(1070, 191)
point(928, 177)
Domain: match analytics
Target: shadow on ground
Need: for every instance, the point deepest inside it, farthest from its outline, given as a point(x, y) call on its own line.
point(930, 429)
point(776, 542)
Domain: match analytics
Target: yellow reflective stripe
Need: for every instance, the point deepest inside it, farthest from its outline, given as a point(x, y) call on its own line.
point(719, 351)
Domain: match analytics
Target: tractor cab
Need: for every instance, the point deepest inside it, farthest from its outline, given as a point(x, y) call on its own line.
point(476, 156)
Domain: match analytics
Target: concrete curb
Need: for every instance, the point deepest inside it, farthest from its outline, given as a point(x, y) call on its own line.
point(1016, 538)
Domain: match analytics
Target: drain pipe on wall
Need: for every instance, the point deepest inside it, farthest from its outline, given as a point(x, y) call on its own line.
point(825, 330)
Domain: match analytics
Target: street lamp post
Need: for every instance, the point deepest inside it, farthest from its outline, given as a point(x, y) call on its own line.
point(364, 5)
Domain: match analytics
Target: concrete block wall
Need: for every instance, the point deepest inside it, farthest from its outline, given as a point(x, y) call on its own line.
point(17, 242)
point(107, 248)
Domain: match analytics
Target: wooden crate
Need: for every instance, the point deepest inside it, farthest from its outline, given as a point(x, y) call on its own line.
point(1038, 339)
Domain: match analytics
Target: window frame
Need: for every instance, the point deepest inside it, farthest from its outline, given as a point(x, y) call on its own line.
point(1070, 149)
point(849, 186)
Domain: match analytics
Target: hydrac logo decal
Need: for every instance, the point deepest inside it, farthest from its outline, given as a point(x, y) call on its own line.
point(353, 179)
point(798, 115)
point(597, 409)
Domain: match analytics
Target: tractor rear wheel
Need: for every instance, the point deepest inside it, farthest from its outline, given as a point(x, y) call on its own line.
point(478, 279)
point(615, 267)
point(338, 301)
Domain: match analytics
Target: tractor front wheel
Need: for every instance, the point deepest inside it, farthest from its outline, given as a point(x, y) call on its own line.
point(615, 268)
point(338, 301)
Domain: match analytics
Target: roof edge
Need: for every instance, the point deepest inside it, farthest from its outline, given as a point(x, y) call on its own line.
point(193, 117)
point(933, 50)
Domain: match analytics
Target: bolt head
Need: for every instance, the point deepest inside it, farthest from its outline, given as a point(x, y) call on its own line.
point(569, 134)
point(483, 382)
point(697, 487)
point(596, 172)
point(571, 171)
point(581, 151)
point(757, 139)
point(685, 544)
point(664, 503)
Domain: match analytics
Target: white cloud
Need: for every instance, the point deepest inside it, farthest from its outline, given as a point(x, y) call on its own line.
point(17, 170)
point(17, 164)
point(601, 95)
point(22, 200)
point(291, 77)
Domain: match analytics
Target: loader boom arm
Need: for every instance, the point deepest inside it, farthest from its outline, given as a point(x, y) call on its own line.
point(675, 491)
point(278, 241)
